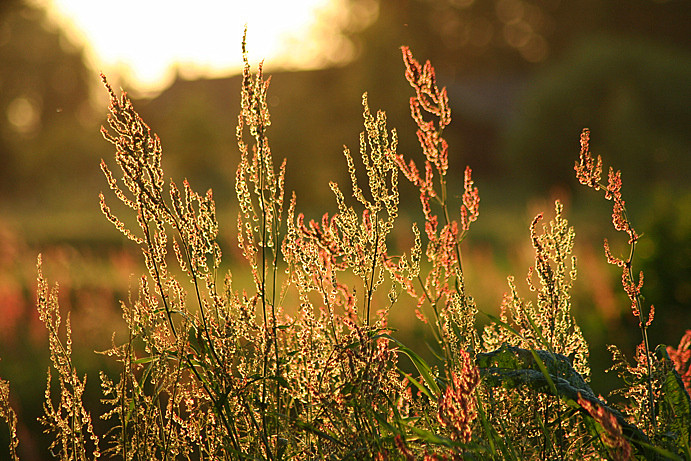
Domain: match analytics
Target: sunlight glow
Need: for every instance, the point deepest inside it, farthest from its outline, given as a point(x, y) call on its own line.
point(147, 42)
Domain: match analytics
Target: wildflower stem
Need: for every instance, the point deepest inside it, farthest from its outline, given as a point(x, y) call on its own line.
point(270, 337)
point(433, 303)
point(370, 288)
point(644, 333)
point(589, 173)
point(447, 219)
point(636, 299)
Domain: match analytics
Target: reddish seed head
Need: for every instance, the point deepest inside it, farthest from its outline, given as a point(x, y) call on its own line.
point(681, 356)
point(457, 406)
point(613, 436)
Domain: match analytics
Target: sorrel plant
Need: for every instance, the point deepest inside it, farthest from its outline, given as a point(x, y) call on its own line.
point(302, 363)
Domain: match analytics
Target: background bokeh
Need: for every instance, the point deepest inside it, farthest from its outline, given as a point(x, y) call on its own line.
point(524, 77)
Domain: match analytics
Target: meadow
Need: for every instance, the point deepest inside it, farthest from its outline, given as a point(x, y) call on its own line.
point(298, 356)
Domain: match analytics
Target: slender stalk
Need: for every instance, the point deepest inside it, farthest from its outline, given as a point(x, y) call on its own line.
point(126, 367)
point(644, 333)
point(370, 289)
point(642, 324)
point(268, 339)
point(447, 219)
point(274, 325)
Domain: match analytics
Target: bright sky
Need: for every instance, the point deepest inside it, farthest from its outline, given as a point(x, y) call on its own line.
point(145, 40)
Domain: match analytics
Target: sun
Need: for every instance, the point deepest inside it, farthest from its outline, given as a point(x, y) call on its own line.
point(148, 42)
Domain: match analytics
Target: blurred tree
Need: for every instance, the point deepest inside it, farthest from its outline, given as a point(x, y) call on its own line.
point(487, 51)
point(44, 102)
point(665, 257)
point(634, 97)
point(495, 36)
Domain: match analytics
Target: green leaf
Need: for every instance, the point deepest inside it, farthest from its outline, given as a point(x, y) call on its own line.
point(430, 437)
point(544, 371)
point(130, 410)
point(383, 421)
point(490, 433)
point(420, 387)
point(420, 364)
point(144, 360)
point(310, 428)
point(537, 331)
point(496, 319)
point(667, 455)
point(676, 403)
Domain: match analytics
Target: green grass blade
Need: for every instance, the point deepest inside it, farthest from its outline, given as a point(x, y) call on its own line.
point(499, 321)
point(420, 364)
point(544, 371)
point(419, 385)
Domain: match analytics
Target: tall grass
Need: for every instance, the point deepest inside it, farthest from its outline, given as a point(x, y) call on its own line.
point(302, 363)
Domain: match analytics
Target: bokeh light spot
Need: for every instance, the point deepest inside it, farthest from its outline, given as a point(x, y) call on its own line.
point(23, 115)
